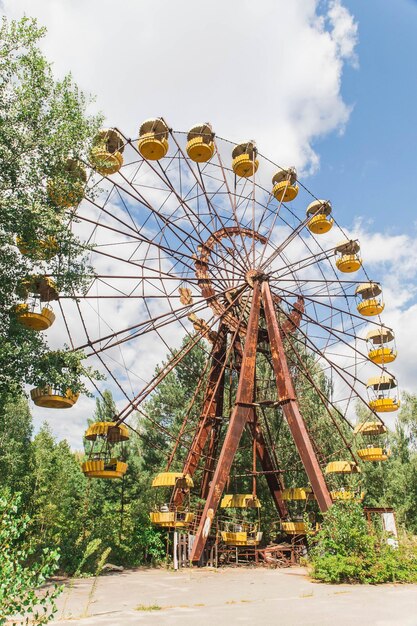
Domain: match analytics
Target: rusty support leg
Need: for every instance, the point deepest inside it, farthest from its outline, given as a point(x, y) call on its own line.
point(240, 415)
point(286, 395)
point(215, 431)
point(274, 481)
point(212, 406)
point(210, 458)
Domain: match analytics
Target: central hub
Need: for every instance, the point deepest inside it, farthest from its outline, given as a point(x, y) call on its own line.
point(253, 275)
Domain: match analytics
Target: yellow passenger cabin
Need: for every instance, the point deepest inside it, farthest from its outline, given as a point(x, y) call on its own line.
point(381, 345)
point(165, 513)
point(103, 457)
point(31, 319)
point(297, 527)
point(297, 493)
point(106, 155)
point(68, 188)
point(52, 398)
point(241, 532)
point(200, 143)
point(284, 185)
point(373, 453)
point(348, 259)
point(369, 304)
point(320, 221)
point(245, 163)
point(38, 249)
point(153, 139)
point(370, 428)
point(342, 467)
point(346, 494)
point(33, 314)
point(383, 392)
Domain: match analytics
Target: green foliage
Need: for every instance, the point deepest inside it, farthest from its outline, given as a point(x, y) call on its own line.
point(84, 519)
point(15, 446)
point(42, 123)
point(394, 482)
point(22, 573)
point(80, 515)
point(168, 406)
point(345, 550)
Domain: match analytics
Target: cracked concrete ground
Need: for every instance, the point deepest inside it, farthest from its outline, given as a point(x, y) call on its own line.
point(232, 596)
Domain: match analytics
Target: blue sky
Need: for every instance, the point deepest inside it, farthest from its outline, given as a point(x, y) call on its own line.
point(370, 171)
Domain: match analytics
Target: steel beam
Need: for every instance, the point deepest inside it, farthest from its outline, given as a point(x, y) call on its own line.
point(239, 418)
point(212, 407)
point(273, 480)
point(210, 463)
point(289, 404)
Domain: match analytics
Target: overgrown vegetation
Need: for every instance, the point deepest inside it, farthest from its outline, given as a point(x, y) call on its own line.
point(22, 570)
point(72, 513)
point(345, 550)
point(43, 122)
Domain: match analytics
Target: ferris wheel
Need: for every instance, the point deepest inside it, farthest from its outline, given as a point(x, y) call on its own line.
point(192, 235)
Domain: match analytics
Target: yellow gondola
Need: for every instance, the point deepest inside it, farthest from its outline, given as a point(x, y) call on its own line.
point(41, 288)
point(373, 453)
point(112, 432)
point(242, 532)
point(102, 461)
point(294, 528)
point(245, 163)
point(342, 467)
point(370, 428)
point(284, 184)
point(33, 320)
point(168, 515)
point(379, 350)
point(348, 256)
point(320, 221)
point(106, 154)
point(380, 389)
point(173, 479)
point(297, 493)
point(171, 518)
point(240, 501)
point(345, 494)
point(99, 468)
point(39, 249)
point(50, 398)
point(369, 304)
point(67, 190)
point(153, 139)
point(200, 145)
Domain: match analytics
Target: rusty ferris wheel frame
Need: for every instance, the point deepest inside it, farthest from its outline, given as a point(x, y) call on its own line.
point(256, 275)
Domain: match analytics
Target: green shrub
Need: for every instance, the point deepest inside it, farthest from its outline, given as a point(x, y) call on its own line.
point(22, 572)
point(344, 551)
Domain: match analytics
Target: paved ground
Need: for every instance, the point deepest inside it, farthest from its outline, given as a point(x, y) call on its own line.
point(232, 596)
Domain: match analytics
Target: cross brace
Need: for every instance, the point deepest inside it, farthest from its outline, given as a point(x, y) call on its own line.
point(242, 416)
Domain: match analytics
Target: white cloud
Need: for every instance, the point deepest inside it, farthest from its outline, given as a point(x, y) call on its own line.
point(269, 70)
point(344, 30)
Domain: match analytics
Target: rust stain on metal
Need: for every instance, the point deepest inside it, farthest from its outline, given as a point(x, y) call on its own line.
point(238, 420)
point(290, 407)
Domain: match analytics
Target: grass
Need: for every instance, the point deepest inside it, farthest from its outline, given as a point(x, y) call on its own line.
point(148, 607)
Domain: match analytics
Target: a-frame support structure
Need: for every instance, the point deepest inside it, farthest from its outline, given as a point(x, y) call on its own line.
point(243, 416)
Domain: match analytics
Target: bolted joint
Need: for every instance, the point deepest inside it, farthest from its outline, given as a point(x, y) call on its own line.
point(254, 275)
